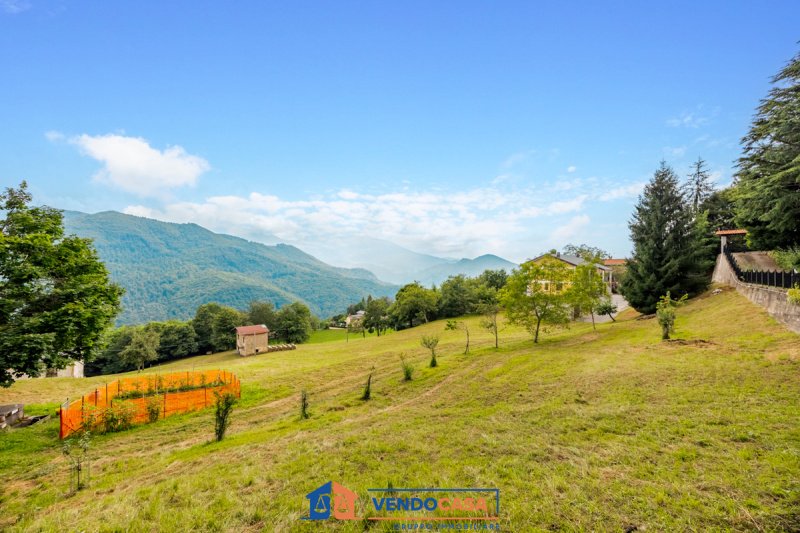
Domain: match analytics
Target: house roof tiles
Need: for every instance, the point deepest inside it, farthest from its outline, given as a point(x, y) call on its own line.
point(252, 330)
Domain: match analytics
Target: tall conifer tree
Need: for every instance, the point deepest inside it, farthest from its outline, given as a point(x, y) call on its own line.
point(768, 180)
point(666, 253)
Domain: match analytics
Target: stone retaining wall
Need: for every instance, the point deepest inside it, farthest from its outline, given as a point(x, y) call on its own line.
point(774, 300)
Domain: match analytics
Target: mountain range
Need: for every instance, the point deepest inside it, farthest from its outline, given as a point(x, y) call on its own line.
point(170, 269)
point(396, 264)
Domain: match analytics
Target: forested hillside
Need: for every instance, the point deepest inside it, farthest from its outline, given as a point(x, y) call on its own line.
point(168, 270)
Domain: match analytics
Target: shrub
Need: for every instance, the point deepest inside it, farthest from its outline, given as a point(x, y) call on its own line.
point(794, 295)
point(431, 342)
point(788, 259)
point(606, 307)
point(80, 462)
point(153, 408)
point(367, 388)
point(119, 417)
point(665, 312)
point(222, 412)
point(303, 405)
point(408, 370)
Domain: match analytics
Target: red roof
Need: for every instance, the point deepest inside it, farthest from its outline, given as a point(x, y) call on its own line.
point(252, 330)
point(731, 232)
point(614, 262)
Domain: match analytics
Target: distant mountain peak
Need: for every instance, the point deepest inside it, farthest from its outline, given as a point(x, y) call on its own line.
point(169, 269)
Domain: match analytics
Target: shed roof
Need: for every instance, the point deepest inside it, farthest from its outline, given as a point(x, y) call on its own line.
point(614, 262)
point(252, 330)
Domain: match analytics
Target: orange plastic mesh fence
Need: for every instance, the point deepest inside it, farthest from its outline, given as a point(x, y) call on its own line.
point(175, 393)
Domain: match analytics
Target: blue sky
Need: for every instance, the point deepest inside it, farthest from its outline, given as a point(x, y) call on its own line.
point(453, 128)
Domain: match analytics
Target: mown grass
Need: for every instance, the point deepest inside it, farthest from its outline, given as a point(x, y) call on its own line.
point(585, 431)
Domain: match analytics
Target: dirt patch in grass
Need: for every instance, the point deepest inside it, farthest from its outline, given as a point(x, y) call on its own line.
point(700, 343)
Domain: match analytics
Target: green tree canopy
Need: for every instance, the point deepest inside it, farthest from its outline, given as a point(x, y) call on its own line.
point(720, 208)
point(142, 349)
point(376, 315)
point(496, 279)
point(457, 296)
point(414, 302)
point(592, 254)
point(203, 325)
point(768, 178)
point(293, 323)
point(262, 313)
point(223, 328)
point(668, 252)
point(536, 295)
point(56, 299)
point(177, 339)
point(588, 289)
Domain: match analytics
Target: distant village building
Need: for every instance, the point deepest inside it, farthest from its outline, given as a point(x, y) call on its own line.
point(572, 263)
point(75, 370)
point(350, 318)
point(618, 268)
point(251, 340)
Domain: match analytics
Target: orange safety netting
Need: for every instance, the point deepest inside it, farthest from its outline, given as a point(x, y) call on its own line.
point(175, 393)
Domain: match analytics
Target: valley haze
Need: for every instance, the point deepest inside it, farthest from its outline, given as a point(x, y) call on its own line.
point(170, 269)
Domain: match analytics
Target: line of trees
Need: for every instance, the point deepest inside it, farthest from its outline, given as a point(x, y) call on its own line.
point(672, 228)
point(211, 330)
point(534, 296)
point(673, 244)
point(764, 198)
point(414, 304)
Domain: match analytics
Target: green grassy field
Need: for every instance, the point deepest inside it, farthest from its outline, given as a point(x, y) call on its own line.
point(605, 430)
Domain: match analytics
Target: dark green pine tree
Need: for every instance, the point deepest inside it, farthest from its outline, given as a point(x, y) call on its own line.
point(768, 179)
point(667, 252)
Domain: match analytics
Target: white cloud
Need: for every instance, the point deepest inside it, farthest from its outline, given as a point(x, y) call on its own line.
point(131, 164)
point(571, 169)
point(674, 151)
point(447, 223)
point(517, 158)
point(54, 136)
point(687, 120)
point(625, 191)
point(699, 117)
point(570, 229)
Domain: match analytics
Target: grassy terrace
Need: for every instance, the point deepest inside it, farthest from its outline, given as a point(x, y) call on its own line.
point(586, 430)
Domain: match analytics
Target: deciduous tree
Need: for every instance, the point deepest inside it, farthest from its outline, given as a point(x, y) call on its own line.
point(56, 299)
point(376, 315)
point(535, 295)
point(587, 289)
point(413, 302)
point(142, 349)
point(294, 323)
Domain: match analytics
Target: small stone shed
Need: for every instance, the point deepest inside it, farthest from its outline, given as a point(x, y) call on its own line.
point(252, 340)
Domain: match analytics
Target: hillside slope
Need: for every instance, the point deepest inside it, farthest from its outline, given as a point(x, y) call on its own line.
point(609, 430)
point(168, 269)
